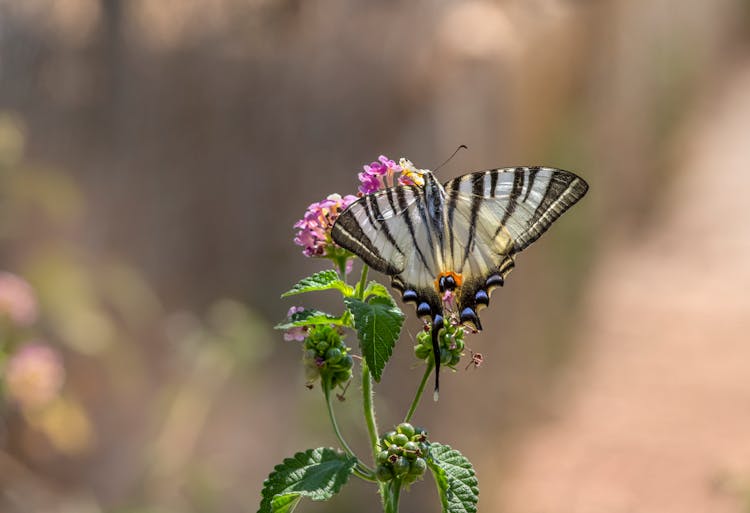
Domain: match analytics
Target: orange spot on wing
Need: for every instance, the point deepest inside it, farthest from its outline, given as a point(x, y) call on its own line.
point(456, 277)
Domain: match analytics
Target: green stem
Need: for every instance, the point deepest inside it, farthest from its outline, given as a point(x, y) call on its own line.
point(418, 396)
point(364, 472)
point(341, 262)
point(394, 493)
point(369, 409)
point(360, 291)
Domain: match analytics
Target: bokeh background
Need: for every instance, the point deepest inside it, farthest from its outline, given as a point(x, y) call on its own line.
point(154, 155)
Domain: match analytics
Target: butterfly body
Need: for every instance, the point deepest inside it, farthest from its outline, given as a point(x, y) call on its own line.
point(459, 237)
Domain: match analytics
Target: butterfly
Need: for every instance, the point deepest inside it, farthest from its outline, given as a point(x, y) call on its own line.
point(459, 237)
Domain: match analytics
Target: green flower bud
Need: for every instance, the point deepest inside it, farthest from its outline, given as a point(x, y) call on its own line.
point(445, 356)
point(401, 466)
point(406, 429)
point(455, 359)
point(333, 355)
point(400, 439)
point(418, 466)
point(341, 376)
point(383, 473)
point(421, 351)
point(347, 362)
point(383, 457)
point(411, 447)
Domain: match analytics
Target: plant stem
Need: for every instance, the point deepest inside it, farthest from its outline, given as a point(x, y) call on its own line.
point(394, 493)
point(418, 396)
point(366, 472)
point(369, 409)
point(360, 290)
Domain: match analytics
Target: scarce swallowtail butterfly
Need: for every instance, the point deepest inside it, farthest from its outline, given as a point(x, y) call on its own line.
point(460, 236)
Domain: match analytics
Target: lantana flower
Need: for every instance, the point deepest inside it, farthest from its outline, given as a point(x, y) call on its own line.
point(17, 300)
point(297, 333)
point(378, 175)
point(34, 375)
point(410, 175)
point(314, 233)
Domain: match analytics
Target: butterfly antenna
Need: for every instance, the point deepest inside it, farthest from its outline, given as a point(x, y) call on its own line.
point(460, 147)
point(437, 325)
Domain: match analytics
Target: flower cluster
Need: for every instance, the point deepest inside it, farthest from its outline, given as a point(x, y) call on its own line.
point(402, 454)
point(298, 333)
point(382, 173)
point(326, 356)
point(314, 229)
point(17, 301)
point(451, 340)
point(34, 375)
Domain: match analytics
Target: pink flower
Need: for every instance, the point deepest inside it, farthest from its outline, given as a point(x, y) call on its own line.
point(314, 229)
point(376, 168)
point(378, 174)
point(298, 333)
point(17, 300)
point(34, 375)
point(370, 183)
point(449, 301)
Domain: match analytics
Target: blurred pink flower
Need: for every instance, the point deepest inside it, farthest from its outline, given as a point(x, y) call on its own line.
point(298, 333)
point(449, 301)
point(34, 375)
point(314, 233)
point(17, 300)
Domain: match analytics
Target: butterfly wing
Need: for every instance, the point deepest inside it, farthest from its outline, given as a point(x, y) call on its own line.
point(390, 231)
point(492, 215)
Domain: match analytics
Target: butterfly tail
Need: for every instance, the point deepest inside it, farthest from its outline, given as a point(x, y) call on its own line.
point(437, 325)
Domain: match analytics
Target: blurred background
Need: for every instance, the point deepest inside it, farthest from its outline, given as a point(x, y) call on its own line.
point(154, 155)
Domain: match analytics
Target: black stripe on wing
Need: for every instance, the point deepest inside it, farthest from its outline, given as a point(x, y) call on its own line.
point(563, 190)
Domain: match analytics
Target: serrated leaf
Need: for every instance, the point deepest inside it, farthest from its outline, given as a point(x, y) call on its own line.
point(456, 482)
point(310, 317)
point(316, 473)
point(323, 280)
point(376, 289)
point(378, 323)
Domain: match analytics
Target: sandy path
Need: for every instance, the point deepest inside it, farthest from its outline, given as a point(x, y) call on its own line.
point(657, 418)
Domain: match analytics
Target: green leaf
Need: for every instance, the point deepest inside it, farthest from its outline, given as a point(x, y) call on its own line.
point(316, 473)
point(456, 482)
point(310, 317)
point(324, 280)
point(378, 323)
point(376, 289)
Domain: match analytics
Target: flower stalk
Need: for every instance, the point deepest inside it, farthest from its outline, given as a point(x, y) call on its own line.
point(420, 389)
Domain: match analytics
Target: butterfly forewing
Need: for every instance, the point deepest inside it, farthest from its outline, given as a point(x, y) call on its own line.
point(388, 231)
